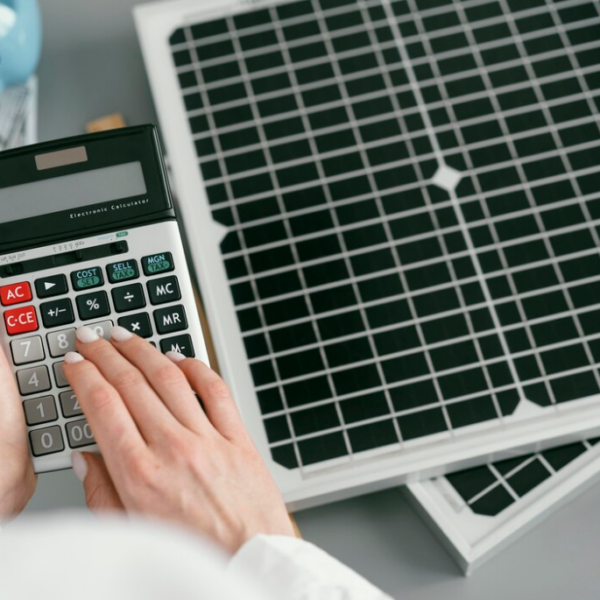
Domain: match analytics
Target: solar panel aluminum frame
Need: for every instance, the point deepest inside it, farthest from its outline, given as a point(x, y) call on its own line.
point(340, 478)
point(472, 540)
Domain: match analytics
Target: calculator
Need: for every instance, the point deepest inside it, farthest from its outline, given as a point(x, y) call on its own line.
point(88, 236)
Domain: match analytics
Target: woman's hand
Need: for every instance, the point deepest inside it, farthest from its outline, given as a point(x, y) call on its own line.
point(162, 455)
point(17, 479)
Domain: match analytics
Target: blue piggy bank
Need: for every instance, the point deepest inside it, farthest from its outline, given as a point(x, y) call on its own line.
point(20, 40)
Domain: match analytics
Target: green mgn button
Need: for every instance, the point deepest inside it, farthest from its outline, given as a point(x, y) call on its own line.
point(158, 263)
point(122, 271)
point(87, 278)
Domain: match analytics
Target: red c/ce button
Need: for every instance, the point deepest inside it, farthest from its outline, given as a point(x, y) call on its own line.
point(17, 293)
point(21, 320)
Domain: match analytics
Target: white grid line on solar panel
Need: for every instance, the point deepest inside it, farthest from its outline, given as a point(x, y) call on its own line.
point(197, 43)
point(282, 391)
point(565, 160)
point(204, 64)
point(294, 249)
point(333, 214)
point(425, 348)
point(465, 74)
point(412, 411)
point(504, 483)
point(400, 325)
point(423, 237)
point(546, 464)
point(564, 100)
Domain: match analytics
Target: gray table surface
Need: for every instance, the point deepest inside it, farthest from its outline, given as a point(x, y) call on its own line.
point(92, 66)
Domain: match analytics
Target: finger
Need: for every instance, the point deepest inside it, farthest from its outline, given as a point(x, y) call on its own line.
point(150, 415)
point(113, 427)
point(169, 383)
point(11, 409)
point(100, 492)
point(218, 403)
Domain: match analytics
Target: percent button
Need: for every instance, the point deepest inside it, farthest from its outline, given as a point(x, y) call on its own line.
point(93, 306)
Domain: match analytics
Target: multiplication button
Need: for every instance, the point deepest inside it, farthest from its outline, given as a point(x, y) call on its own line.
point(57, 313)
point(123, 271)
point(46, 441)
point(86, 279)
point(93, 306)
point(158, 263)
point(138, 324)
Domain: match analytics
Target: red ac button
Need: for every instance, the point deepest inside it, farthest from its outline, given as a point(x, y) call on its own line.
point(21, 320)
point(15, 293)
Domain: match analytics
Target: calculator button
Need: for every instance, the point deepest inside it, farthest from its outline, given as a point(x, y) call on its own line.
point(169, 320)
point(21, 320)
point(40, 410)
point(86, 279)
point(47, 441)
point(61, 342)
point(48, 287)
point(57, 313)
point(93, 306)
point(16, 293)
point(138, 324)
point(103, 329)
point(34, 380)
point(79, 434)
point(164, 290)
point(181, 343)
point(158, 263)
point(123, 271)
point(129, 297)
point(70, 405)
point(59, 376)
point(28, 350)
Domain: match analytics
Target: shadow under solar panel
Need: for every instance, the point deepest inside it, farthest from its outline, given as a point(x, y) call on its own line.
point(412, 200)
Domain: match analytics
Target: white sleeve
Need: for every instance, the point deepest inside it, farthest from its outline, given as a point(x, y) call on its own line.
point(296, 570)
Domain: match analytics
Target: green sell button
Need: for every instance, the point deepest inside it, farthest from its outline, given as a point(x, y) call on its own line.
point(87, 278)
point(122, 271)
point(158, 263)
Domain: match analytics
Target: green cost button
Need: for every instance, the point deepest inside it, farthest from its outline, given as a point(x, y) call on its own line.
point(86, 279)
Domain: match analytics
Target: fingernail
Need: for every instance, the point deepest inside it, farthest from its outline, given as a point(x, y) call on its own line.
point(73, 357)
point(176, 357)
point(87, 335)
point(80, 466)
point(120, 334)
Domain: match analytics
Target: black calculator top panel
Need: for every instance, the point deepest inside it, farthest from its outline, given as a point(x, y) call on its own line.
point(82, 185)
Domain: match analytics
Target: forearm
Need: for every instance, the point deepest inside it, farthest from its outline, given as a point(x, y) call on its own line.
point(298, 570)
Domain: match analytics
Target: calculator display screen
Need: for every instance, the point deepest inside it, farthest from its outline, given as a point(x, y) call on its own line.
point(71, 192)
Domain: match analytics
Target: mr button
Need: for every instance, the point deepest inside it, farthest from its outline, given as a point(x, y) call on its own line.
point(170, 319)
point(87, 279)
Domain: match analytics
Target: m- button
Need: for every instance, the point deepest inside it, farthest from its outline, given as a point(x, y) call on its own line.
point(16, 293)
point(21, 320)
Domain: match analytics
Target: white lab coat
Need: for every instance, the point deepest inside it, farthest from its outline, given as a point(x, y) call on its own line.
point(74, 557)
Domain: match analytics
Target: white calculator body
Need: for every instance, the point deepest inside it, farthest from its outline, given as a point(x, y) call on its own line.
point(88, 236)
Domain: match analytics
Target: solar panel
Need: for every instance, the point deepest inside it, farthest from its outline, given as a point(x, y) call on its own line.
point(479, 511)
point(407, 196)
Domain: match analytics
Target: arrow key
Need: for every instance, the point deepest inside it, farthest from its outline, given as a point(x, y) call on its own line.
point(54, 285)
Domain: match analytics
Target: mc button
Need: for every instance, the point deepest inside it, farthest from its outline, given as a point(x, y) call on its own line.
point(21, 320)
point(86, 279)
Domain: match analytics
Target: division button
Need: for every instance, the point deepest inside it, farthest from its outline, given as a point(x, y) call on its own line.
point(20, 320)
point(86, 279)
point(122, 271)
point(181, 343)
point(16, 293)
point(164, 290)
point(169, 320)
point(34, 380)
point(70, 405)
point(27, 350)
point(46, 441)
point(57, 313)
point(158, 263)
point(138, 324)
point(48, 287)
point(129, 297)
point(93, 306)
point(61, 342)
point(79, 434)
point(40, 410)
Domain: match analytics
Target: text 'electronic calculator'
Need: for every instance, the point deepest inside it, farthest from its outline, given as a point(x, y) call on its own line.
point(88, 236)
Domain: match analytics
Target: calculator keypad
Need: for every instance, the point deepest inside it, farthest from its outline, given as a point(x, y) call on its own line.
point(51, 408)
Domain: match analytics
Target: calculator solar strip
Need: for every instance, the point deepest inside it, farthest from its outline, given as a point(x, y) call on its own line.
point(491, 489)
point(412, 195)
